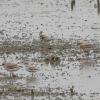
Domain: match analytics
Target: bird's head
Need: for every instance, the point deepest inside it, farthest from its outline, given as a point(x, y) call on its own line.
point(3, 63)
point(41, 32)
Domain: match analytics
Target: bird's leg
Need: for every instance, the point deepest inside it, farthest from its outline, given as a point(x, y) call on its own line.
point(32, 74)
point(32, 94)
point(11, 78)
point(10, 74)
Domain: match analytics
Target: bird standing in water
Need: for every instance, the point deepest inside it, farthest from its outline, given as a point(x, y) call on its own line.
point(30, 67)
point(86, 47)
point(11, 67)
point(43, 37)
point(44, 43)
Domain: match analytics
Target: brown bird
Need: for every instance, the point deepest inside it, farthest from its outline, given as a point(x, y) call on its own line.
point(30, 67)
point(86, 47)
point(43, 37)
point(44, 43)
point(11, 67)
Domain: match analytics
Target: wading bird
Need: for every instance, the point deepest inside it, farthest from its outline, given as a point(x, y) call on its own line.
point(44, 43)
point(43, 37)
point(11, 67)
point(86, 47)
point(30, 67)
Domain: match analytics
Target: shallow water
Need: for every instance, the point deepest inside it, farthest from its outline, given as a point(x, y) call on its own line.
point(22, 20)
point(58, 79)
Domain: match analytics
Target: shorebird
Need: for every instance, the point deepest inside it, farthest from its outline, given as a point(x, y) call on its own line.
point(30, 67)
point(11, 67)
point(86, 47)
point(53, 60)
point(43, 37)
point(44, 43)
